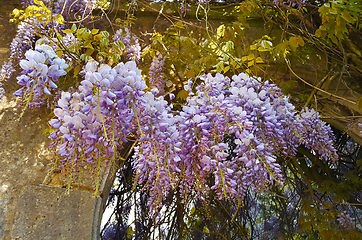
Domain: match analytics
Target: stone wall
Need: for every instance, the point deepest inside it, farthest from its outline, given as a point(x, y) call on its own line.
point(33, 203)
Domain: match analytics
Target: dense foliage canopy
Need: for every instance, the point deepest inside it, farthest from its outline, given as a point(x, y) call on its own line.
point(223, 102)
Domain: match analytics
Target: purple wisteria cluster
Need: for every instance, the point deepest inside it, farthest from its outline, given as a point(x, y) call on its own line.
point(314, 134)
point(184, 8)
point(156, 74)
point(31, 28)
point(5, 73)
point(245, 111)
point(21, 43)
point(74, 9)
point(345, 221)
point(23, 40)
point(41, 69)
point(131, 43)
point(157, 160)
point(92, 121)
point(190, 150)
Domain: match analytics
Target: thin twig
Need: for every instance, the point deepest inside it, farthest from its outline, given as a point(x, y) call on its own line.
point(311, 85)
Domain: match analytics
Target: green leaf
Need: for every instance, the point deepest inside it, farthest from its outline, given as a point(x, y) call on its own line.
point(220, 67)
point(67, 31)
point(293, 42)
point(119, 44)
point(346, 16)
point(98, 37)
point(190, 73)
point(333, 39)
point(77, 70)
point(253, 47)
point(324, 9)
point(229, 45)
point(84, 57)
point(250, 57)
point(220, 31)
point(105, 34)
point(300, 41)
point(182, 94)
point(129, 232)
point(88, 44)
point(359, 103)
point(95, 31)
point(60, 53)
point(89, 51)
point(193, 209)
point(179, 25)
point(74, 27)
point(259, 60)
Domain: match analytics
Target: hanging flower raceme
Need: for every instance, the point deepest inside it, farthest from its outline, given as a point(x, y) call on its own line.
point(131, 43)
point(41, 70)
point(156, 74)
point(156, 158)
point(92, 121)
point(225, 140)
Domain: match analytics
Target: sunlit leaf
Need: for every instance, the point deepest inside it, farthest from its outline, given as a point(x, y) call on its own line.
point(182, 94)
point(67, 31)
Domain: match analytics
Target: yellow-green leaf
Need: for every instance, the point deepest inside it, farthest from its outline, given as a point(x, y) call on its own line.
point(250, 57)
point(220, 67)
point(74, 27)
point(359, 103)
point(300, 41)
point(253, 47)
point(251, 63)
point(89, 51)
point(130, 232)
point(179, 25)
point(220, 31)
point(333, 39)
point(259, 60)
point(88, 44)
point(95, 31)
point(190, 73)
point(76, 70)
point(346, 16)
point(59, 19)
point(16, 12)
point(67, 31)
point(60, 53)
point(281, 47)
point(318, 33)
point(182, 94)
point(98, 37)
point(293, 42)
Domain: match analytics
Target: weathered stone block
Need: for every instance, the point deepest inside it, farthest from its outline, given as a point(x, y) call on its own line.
point(50, 213)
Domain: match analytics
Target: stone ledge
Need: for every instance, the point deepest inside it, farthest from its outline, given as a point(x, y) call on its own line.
point(45, 212)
